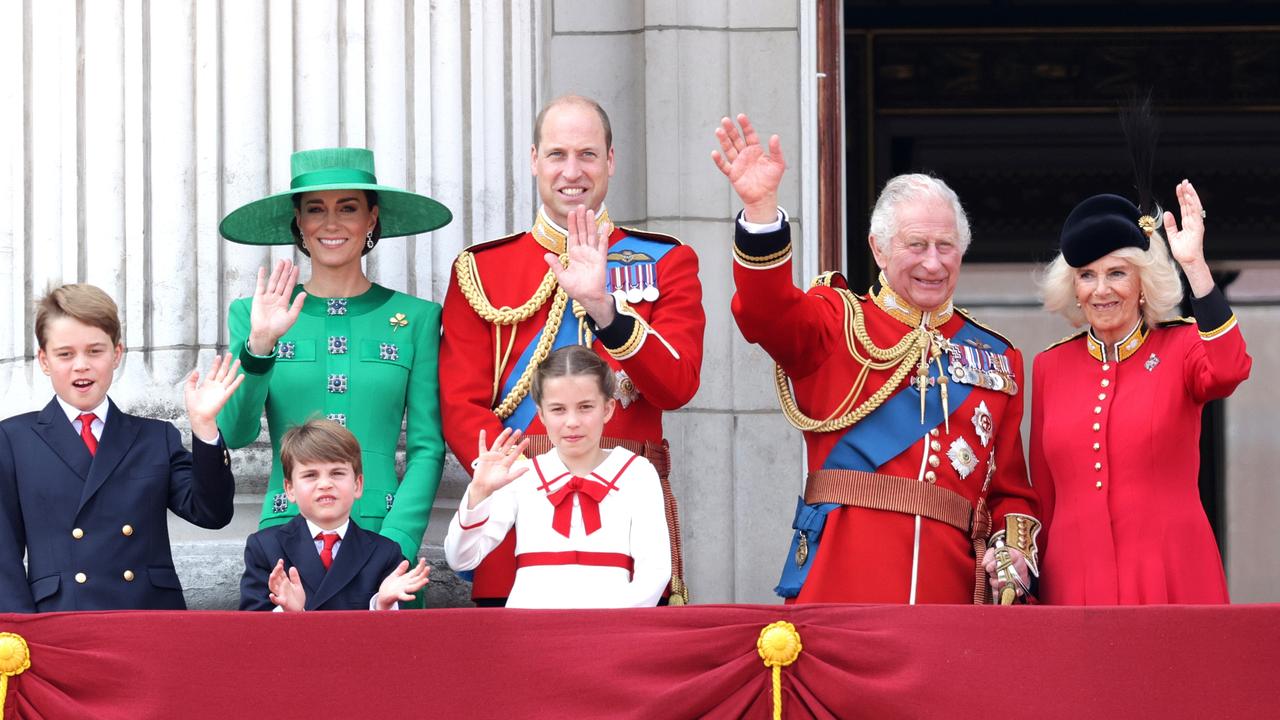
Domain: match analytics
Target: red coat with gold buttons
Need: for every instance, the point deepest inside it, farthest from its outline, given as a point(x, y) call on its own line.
point(1115, 457)
point(864, 554)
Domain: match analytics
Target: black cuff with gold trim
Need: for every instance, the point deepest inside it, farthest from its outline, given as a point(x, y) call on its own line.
point(618, 334)
point(256, 364)
point(761, 249)
point(1213, 314)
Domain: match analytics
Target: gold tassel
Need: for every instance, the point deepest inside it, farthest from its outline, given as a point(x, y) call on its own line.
point(779, 646)
point(15, 658)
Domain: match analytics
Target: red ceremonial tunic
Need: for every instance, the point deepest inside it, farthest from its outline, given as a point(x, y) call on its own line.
point(661, 356)
point(869, 555)
point(1115, 456)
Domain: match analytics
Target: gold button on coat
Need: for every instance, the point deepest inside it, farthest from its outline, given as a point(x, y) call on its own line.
point(1097, 410)
point(934, 461)
point(934, 432)
point(128, 576)
point(127, 530)
point(1097, 447)
point(81, 578)
point(77, 533)
point(1098, 484)
point(935, 446)
point(1102, 396)
point(1097, 466)
point(1106, 382)
point(931, 476)
point(1096, 427)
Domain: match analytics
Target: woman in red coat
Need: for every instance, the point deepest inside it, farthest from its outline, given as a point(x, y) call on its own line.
point(1115, 410)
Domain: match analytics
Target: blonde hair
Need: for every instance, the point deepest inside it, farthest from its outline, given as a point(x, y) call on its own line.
point(86, 303)
point(319, 441)
point(1157, 275)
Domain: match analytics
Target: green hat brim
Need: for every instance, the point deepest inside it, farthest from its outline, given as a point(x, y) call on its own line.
point(269, 221)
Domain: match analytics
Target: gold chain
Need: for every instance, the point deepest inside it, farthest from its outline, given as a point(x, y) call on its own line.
point(469, 284)
point(902, 354)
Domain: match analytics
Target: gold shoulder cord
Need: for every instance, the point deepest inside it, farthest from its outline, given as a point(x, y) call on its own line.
point(473, 291)
point(912, 346)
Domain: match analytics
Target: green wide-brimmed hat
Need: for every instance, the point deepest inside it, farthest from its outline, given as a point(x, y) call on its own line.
point(269, 221)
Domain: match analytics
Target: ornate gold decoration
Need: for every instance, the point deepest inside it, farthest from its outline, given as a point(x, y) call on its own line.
point(920, 344)
point(762, 262)
point(471, 288)
point(15, 658)
point(555, 238)
point(1148, 225)
point(398, 321)
point(779, 646)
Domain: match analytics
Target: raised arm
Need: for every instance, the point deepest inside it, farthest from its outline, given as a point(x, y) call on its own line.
point(797, 329)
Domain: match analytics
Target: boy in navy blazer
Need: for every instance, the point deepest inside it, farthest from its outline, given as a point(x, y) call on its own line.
point(84, 486)
point(321, 559)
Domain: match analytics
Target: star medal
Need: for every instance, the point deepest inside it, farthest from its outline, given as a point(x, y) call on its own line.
point(983, 424)
point(962, 457)
point(650, 282)
point(398, 321)
point(625, 391)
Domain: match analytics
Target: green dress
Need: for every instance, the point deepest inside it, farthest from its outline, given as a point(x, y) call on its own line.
point(365, 362)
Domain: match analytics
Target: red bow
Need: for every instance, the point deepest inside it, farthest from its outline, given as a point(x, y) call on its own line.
point(589, 496)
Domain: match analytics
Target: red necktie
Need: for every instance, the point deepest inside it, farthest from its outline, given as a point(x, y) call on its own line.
point(86, 432)
point(589, 496)
point(326, 553)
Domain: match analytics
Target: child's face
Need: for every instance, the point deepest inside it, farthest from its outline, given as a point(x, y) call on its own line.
point(80, 361)
point(324, 491)
point(574, 411)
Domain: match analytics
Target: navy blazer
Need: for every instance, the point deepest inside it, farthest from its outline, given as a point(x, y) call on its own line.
point(94, 527)
point(363, 561)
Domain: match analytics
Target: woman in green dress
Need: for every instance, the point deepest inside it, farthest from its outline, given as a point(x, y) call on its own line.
point(340, 346)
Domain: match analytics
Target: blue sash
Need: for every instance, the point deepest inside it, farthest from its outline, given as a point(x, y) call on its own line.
point(878, 438)
point(523, 415)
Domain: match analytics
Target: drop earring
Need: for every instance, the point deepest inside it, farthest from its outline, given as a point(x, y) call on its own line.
point(368, 240)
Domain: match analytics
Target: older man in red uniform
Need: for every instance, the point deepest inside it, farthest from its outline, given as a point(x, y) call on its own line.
point(573, 278)
point(910, 409)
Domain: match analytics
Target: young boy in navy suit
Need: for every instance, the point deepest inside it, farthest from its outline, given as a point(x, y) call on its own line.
point(84, 486)
point(321, 559)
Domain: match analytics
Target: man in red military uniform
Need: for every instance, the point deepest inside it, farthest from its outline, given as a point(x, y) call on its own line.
point(910, 409)
point(633, 296)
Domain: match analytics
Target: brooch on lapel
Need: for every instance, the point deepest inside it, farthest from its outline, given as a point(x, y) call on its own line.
point(388, 351)
point(1151, 362)
point(279, 503)
point(286, 350)
point(336, 306)
point(398, 321)
point(391, 500)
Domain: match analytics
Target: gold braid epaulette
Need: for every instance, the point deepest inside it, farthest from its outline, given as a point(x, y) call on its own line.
point(469, 285)
point(901, 355)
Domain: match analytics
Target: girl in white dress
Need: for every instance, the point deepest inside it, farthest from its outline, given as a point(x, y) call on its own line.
point(591, 531)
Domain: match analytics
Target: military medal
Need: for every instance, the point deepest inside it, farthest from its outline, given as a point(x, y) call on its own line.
point(802, 550)
point(975, 364)
point(962, 457)
point(983, 423)
point(1151, 362)
point(619, 284)
point(650, 283)
point(625, 392)
point(635, 293)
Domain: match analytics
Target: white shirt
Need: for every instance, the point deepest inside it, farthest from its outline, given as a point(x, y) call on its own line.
point(73, 416)
point(633, 522)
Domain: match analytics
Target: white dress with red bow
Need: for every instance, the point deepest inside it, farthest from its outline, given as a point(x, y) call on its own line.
point(581, 542)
